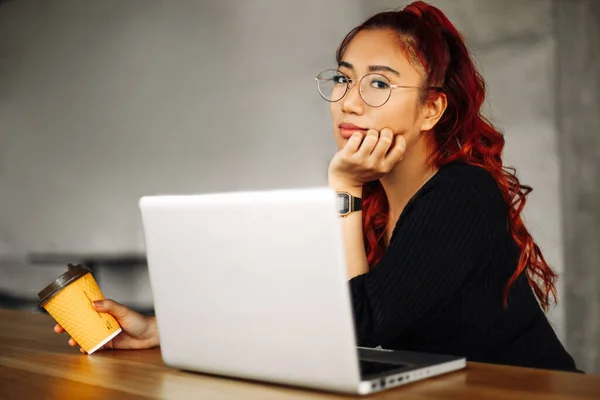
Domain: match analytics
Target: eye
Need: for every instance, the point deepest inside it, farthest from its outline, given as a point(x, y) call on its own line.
point(340, 79)
point(377, 83)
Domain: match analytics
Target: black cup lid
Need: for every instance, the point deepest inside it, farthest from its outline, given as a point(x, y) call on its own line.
point(75, 272)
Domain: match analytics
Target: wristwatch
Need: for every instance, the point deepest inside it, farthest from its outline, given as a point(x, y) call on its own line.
point(346, 203)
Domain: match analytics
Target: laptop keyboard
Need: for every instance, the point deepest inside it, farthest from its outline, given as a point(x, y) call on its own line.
point(368, 368)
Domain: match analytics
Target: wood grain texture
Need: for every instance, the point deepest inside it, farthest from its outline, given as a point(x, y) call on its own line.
point(37, 363)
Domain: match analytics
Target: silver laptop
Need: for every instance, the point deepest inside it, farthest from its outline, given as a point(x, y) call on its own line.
point(253, 285)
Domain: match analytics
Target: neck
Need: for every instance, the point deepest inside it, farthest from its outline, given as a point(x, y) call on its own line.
point(404, 180)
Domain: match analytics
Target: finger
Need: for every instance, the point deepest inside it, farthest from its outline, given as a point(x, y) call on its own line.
point(81, 350)
point(368, 143)
point(353, 143)
point(396, 152)
point(112, 307)
point(58, 328)
point(72, 342)
point(386, 138)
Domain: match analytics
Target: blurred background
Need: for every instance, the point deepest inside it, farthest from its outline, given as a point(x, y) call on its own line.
point(102, 102)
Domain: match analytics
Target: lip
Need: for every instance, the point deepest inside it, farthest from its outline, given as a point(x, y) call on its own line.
point(347, 130)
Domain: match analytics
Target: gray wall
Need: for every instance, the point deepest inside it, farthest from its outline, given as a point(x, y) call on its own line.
point(578, 24)
point(110, 100)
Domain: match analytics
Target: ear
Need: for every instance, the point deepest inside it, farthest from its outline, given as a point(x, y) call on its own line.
point(433, 111)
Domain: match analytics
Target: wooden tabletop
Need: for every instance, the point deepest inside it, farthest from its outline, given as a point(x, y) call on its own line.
point(36, 363)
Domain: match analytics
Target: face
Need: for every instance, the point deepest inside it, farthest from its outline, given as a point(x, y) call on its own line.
point(377, 51)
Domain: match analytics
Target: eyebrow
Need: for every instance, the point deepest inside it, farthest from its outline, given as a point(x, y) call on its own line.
point(372, 68)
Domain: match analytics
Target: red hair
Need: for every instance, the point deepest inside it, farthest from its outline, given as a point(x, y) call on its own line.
point(462, 134)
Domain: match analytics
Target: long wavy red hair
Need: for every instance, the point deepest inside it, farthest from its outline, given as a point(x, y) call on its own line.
point(462, 134)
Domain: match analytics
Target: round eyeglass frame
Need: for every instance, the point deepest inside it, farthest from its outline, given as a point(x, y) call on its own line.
point(350, 83)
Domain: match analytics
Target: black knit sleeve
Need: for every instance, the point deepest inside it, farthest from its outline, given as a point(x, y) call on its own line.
point(437, 243)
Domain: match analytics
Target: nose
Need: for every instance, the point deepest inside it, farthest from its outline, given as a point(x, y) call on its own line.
point(352, 102)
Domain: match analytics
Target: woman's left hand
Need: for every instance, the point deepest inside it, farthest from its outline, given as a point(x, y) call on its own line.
point(365, 160)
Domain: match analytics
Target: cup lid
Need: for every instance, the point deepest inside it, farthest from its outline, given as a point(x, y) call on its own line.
point(75, 272)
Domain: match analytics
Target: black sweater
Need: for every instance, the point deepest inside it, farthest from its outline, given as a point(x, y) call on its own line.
point(439, 286)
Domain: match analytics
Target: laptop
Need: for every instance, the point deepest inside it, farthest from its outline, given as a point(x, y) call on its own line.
point(252, 285)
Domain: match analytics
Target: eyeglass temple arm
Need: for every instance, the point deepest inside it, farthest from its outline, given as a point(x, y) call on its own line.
point(414, 87)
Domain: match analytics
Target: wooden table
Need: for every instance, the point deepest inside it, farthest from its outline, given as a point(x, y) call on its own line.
point(36, 363)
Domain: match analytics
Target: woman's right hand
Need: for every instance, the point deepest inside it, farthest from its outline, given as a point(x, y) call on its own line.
point(366, 158)
point(138, 331)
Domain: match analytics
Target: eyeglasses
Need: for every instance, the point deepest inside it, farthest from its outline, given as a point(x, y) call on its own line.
point(375, 89)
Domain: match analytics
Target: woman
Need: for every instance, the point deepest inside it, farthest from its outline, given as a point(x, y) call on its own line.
point(438, 259)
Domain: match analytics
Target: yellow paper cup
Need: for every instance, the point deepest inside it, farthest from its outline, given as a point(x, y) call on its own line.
point(69, 301)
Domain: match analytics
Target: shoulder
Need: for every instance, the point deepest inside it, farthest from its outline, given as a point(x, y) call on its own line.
point(459, 173)
point(461, 185)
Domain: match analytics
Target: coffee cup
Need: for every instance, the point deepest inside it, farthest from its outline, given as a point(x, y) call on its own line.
point(68, 299)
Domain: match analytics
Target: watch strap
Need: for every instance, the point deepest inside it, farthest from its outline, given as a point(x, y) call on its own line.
point(356, 203)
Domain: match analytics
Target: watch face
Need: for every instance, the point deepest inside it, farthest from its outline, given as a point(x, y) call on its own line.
point(343, 203)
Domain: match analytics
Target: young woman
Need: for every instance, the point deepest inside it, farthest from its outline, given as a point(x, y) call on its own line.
point(438, 257)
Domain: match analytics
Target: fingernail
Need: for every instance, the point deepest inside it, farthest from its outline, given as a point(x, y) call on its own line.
point(98, 303)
